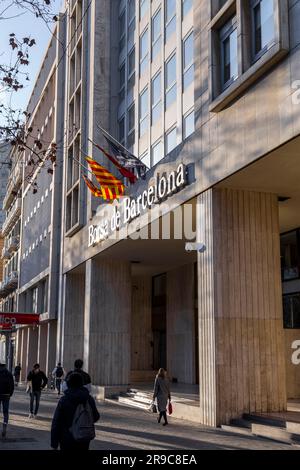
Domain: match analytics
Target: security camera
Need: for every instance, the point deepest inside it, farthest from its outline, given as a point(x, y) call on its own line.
point(200, 247)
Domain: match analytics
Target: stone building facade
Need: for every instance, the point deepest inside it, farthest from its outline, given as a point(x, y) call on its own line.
point(210, 87)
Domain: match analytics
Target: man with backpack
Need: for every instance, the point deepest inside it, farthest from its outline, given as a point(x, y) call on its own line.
point(73, 422)
point(78, 365)
point(6, 391)
point(58, 374)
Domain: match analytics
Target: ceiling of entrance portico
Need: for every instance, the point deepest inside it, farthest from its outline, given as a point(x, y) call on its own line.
point(278, 173)
point(150, 257)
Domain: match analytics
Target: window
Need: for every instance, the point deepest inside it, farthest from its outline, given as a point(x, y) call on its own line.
point(186, 7)
point(131, 10)
point(35, 300)
point(291, 310)
point(44, 300)
point(145, 158)
point(229, 64)
point(131, 31)
point(290, 255)
point(188, 124)
point(131, 63)
point(263, 25)
point(156, 34)
point(122, 26)
point(122, 130)
point(157, 152)
point(188, 61)
point(171, 140)
point(156, 98)
point(144, 52)
point(144, 6)
point(170, 18)
point(122, 81)
point(170, 81)
point(144, 112)
point(131, 118)
point(131, 23)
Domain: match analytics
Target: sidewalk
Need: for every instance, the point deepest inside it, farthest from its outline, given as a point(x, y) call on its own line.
point(122, 428)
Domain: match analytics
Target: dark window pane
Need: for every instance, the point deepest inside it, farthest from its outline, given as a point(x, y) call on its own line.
point(263, 14)
point(291, 310)
point(229, 69)
point(289, 248)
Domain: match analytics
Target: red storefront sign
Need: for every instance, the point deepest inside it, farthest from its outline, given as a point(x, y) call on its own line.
point(7, 320)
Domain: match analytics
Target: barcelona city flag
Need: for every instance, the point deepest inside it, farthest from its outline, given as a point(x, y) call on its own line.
point(111, 187)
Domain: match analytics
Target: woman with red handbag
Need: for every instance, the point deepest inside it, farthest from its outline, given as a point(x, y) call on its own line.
point(162, 394)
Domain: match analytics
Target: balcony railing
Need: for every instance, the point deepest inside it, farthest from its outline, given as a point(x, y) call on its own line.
point(5, 254)
point(14, 182)
point(9, 284)
point(13, 244)
point(12, 217)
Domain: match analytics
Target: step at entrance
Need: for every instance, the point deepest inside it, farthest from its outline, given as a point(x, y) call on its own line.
point(270, 426)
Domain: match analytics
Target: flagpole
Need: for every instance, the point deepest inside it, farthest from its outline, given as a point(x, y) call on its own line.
point(116, 141)
point(80, 164)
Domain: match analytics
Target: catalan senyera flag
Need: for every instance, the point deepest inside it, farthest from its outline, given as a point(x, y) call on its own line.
point(97, 192)
point(111, 187)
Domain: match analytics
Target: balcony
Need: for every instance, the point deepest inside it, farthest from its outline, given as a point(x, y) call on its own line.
point(12, 217)
point(9, 284)
point(13, 185)
point(13, 244)
point(5, 254)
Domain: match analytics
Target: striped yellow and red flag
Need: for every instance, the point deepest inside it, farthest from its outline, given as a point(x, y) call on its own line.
point(95, 191)
point(111, 187)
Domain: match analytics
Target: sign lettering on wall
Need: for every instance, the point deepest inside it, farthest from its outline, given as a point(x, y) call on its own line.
point(165, 186)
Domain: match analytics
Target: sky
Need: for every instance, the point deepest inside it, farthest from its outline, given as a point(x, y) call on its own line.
point(24, 24)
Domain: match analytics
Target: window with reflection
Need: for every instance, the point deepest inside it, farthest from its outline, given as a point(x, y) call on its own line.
point(263, 26)
point(289, 248)
point(291, 310)
point(229, 53)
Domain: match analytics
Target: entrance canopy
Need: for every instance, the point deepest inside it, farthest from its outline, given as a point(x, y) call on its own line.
point(278, 173)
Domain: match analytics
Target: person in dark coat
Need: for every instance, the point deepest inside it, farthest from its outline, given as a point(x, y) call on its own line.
point(162, 394)
point(17, 374)
point(78, 365)
point(37, 382)
point(6, 391)
point(62, 421)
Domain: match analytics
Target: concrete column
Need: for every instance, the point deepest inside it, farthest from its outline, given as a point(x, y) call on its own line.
point(110, 312)
point(23, 359)
point(32, 347)
point(42, 346)
point(51, 346)
point(87, 313)
point(18, 350)
point(141, 329)
point(73, 324)
point(241, 348)
point(181, 324)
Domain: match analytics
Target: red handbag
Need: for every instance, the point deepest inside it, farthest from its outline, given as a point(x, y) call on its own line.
point(170, 408)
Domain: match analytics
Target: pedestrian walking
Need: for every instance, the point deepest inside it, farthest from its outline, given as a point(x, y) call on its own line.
point(6, 391)
point(73, 422)
point(58, 375)
point(162, 394)
point(37, 381)
point(17, 374)
point(78, 365)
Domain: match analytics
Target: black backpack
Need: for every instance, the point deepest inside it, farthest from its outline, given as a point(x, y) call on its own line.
point(83, 428)
point(59, 372)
